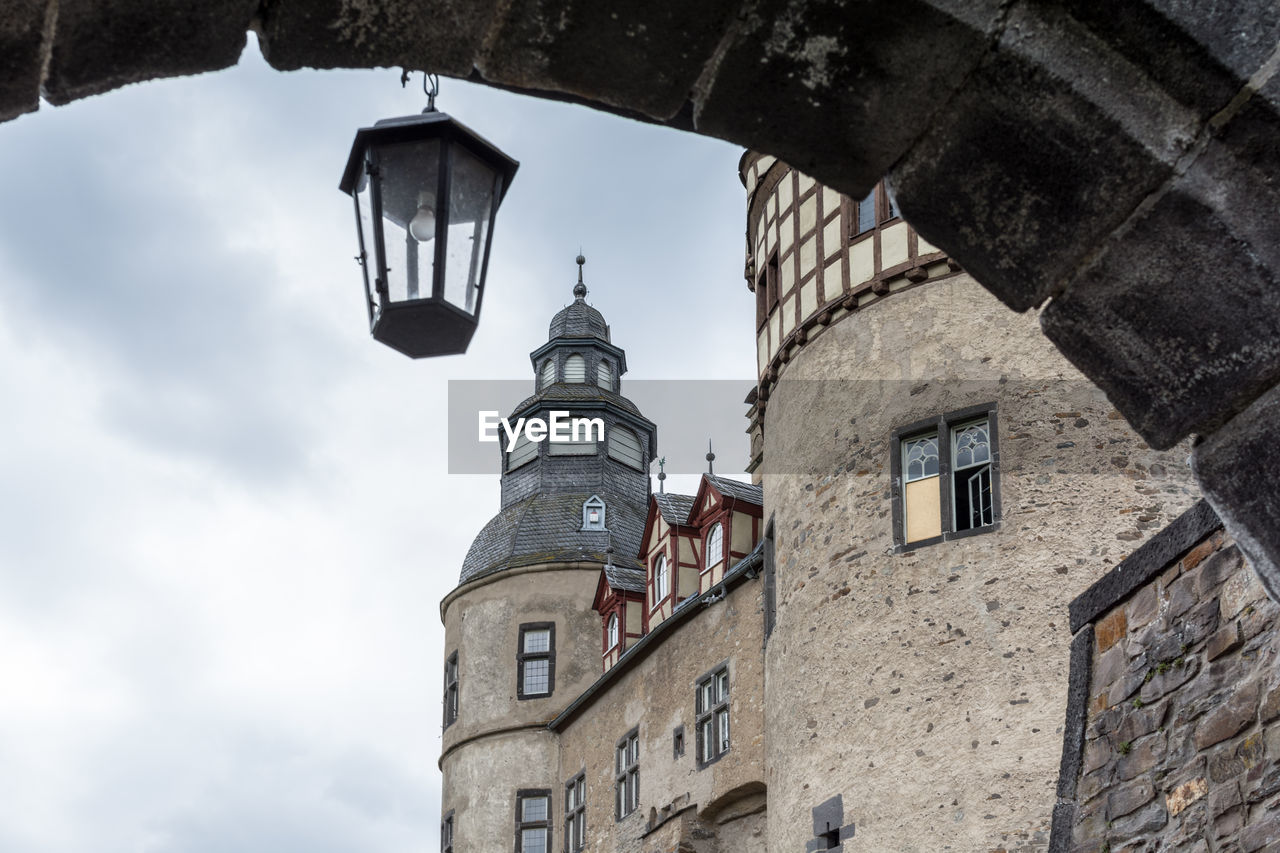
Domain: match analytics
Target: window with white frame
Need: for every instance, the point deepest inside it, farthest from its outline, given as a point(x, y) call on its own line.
point(713, 715)
point(536, 660)
point(611, 632)
point(593, 513)
point(661, 580)
point(451, 690)
point(604, 376)
point(627, 774)
point(575, 369)
point(715, 546)
point(533, 821)
point(575, 813)
point(945, 477)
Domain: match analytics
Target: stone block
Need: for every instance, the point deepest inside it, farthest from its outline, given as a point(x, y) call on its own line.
point(1236, 468)
point(1143, 756)
point(1238, 592)
point(1198, 624)
point(22, 40)
point(1110, 629)
point(645, 57)
point(1125, 799)
point(100, 45)
point(1238, 712)
point(1217, 568)
point(841, 90)
point(1149, 819)
point(1259, 834)
point(1201, 53)
point(1185, 794)
point(1270, 705)
point(443, 36)
point(1161, 331)
point(1223, 797)
point(1043, 131)
point(1225, 640)
point(1143, 607)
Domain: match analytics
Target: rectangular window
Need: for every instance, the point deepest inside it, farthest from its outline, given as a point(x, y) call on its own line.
point(866, 219)
point(533, 821)
point(536, 660)
point(451, 690)
point(575, 813)
point(713, 715)
point(945, 477)
point(446, 834)
point(627, 774)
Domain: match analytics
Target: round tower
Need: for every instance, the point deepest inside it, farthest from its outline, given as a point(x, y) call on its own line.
point(939, 483)
point(521, 638)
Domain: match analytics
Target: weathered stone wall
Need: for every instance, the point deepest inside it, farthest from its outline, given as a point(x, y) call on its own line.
point(1177, 701)
point(927, 686)
point(716, 809)
point(500, 744)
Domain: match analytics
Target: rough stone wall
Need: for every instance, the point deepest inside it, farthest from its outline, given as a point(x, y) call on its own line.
point(927, 687)
point(657, 695)
point(1181, 750)
point(500, 744)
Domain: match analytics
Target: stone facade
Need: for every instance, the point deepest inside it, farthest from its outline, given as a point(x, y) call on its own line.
point(1179, 693)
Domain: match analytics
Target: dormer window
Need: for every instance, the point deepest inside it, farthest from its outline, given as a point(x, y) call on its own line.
point(575, 369)
point(593, 514)
point(548, 376)
point(611, 638)
point(661, 581)
point(604, 376)
point(715, 546)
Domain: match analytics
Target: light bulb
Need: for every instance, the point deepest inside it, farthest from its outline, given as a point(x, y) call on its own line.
point(423, 224)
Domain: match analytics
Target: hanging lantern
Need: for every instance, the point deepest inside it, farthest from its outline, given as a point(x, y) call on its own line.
point(426, 191)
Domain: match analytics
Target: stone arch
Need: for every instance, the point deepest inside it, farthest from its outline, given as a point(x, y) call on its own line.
point(1115, 168)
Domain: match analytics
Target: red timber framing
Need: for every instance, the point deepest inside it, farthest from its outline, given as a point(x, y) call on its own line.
point(741, 524)
point(681, 546)
point(625, 605)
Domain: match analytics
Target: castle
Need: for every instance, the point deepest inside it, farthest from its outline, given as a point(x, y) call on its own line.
point(866, 648)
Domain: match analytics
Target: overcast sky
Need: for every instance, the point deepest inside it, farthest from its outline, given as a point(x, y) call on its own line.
point(226, 523)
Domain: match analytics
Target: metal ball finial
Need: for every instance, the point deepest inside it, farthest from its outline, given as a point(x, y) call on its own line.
point(580, 289)
point(711, 458)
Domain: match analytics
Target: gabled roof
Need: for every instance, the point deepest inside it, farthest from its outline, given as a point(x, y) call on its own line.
point(674, 508)
point(736, 489)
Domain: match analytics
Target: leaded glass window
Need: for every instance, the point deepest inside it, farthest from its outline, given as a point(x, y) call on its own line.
point(535, 660)
point(713, 715)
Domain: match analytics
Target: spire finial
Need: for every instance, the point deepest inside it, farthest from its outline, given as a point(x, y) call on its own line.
point(662, 475)
point(580, 289)
point(711, 458)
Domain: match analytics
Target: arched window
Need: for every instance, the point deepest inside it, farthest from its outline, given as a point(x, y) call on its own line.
point(548, 373)
point(593, 513)
point(575, 369)
point(715, 545)
point(613, 631)
point(604, 376)
point(524, 451)
point(661, 580)
point(624, 445)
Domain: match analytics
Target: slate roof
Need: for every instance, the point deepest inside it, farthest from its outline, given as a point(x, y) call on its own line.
point(578, 392)
point(735, 489)
point(578, 320)
point(674, 508)
point(619, 577)
point(547, 528)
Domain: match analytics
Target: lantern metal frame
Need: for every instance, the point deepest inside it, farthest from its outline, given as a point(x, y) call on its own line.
point(428, 325)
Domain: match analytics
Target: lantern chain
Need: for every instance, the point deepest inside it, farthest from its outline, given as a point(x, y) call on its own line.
point(430, 86)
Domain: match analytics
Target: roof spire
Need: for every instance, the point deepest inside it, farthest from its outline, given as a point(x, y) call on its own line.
point(711, 459)
point(662, 475)
point(580, 289)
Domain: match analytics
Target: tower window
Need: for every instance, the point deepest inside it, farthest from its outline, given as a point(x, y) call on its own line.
point(866, 214)
point(627, 774)
point(524, 451)
point(533, 821)
point(575, 813)
point(624, 446)
point(593, 514)
point(604, 376)
point(611, 632)
point(715, 547)
point(945, 483)
point(713, 715)
point(548, 376)
point(451, 690)
point(575, 369)
point(446, 834)
point(661, 580)
point(536, 660)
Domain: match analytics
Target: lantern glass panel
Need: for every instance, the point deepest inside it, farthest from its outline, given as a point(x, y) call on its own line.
point(473, 188)
point(408, 180)
point(364, 222)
